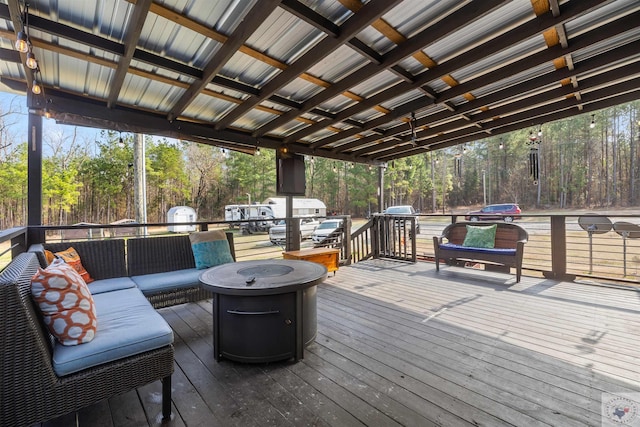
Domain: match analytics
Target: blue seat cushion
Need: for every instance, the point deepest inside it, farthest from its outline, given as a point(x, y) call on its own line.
point(468, 249)
point(114, 284)
point(127, 325)
point(158, 282)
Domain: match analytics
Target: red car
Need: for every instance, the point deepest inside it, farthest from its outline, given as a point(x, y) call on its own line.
point(506, 211)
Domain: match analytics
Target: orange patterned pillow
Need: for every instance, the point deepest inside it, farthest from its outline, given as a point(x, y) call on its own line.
point(71, 257)
point(65, 302)
point(49, 256)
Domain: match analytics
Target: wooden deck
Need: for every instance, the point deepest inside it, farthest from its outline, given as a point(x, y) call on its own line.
point(399, 344)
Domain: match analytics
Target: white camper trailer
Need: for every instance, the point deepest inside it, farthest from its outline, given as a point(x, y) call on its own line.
point(261, 216)
point(301, 206)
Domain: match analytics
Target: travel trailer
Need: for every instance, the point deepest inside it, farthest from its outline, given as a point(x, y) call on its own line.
point(301, 207)
point(262, 214)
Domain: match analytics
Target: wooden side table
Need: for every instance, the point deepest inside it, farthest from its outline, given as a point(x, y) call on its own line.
point(329, 257)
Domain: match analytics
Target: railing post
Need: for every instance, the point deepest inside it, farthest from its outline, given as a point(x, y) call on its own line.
point(347, 239)
point(558, 250)
point(375, 237)
point(414, 233)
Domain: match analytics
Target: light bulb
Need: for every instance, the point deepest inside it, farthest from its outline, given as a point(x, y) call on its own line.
point(47, 113)
point(36, 88)
point(21, 43)
point(31, 61)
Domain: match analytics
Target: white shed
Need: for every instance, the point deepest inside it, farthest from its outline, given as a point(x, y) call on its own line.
point(181, 214)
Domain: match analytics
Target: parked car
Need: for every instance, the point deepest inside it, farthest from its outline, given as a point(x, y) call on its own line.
point(325, 228)
point(505, 211)
point(403, 210)
point(278, 232)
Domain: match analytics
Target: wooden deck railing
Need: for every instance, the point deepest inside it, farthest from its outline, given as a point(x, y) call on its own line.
point(558, 247)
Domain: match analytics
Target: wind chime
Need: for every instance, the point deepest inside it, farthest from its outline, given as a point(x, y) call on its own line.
point(412, 126)
point(457, 165)
point(534, 157)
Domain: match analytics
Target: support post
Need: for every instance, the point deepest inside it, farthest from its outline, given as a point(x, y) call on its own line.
point(380, 189)
point(558, 250)
point(34, 180)
point(140, 183)
point(292, 227)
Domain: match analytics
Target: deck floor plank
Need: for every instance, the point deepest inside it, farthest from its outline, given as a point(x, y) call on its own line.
point(401, 344)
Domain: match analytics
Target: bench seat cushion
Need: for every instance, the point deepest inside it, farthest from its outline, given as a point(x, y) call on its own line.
point(113, 284)
point(127, 325)
point(468, 249)
point(159, 282)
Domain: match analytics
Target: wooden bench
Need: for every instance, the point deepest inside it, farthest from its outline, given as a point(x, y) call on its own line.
point(508, 250)
point(328, 257)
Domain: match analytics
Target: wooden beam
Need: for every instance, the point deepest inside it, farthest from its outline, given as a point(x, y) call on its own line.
point(593, 101)
point(584, 67)
point(606, 31)
point(497, 44)
point(370, 12)
point(132, 35)
point(252, 20)
point(407, 48)
point(311, 17)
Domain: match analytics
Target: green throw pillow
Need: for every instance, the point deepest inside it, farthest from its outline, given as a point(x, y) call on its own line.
point(480, 237)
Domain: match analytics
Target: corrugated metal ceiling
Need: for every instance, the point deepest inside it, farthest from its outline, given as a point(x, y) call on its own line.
point(333, 78)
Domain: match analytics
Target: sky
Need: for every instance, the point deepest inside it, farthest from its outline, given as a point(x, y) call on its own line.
point(18, 123)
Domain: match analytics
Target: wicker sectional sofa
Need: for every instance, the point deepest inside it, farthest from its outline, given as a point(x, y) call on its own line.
point(42, 379)
point(163, 268)
point(133, 346)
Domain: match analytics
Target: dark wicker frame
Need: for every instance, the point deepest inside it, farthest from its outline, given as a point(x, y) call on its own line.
point(31, 392)
point(508, 236)
point(105, 259)
point(162, 254)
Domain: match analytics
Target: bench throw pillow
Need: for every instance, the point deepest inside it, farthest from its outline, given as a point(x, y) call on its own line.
point(65, 302)
point(210, 248)
point(480, 237)
point(71, 257)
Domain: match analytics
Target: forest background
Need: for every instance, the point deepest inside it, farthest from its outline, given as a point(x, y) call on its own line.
point(587, 161)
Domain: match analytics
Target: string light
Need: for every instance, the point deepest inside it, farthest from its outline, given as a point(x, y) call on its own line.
point(36, 88)
point(501, 146)
point(593, 121)
point(540, 131)
point(22, 45)
point(121, 141)
point(31, 61)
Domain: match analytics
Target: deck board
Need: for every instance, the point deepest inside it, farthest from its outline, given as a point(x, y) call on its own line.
point(402, 345)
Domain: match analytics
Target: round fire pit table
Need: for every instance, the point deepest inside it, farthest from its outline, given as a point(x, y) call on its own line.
point(263, 310)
